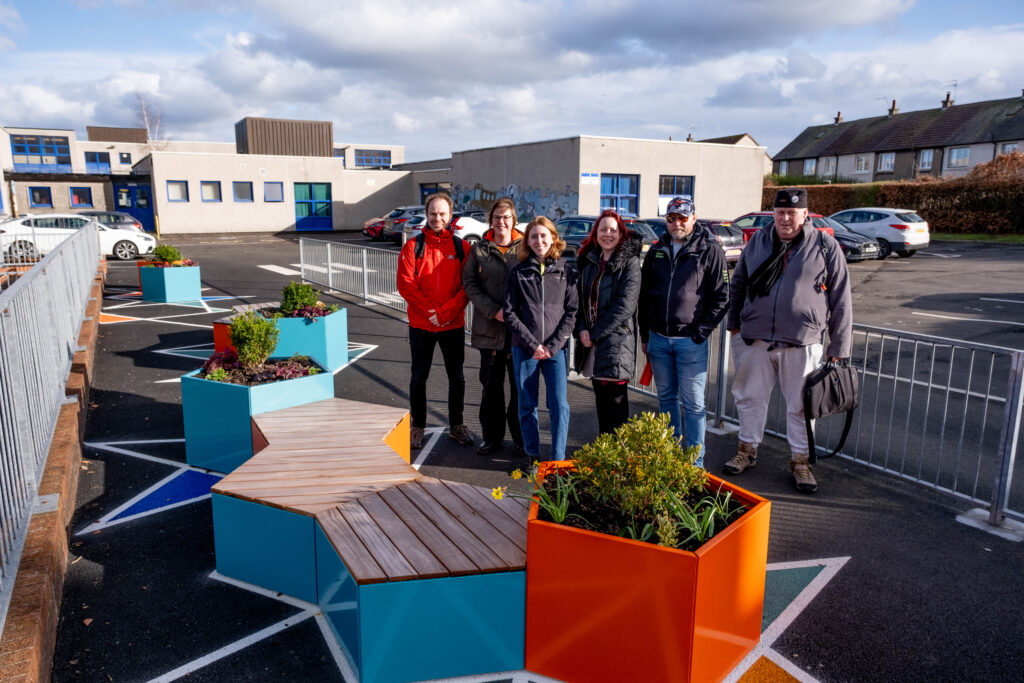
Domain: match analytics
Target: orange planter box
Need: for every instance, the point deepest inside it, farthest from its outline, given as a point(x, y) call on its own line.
point(221, 337)
point(605, 608)
point(138, 266)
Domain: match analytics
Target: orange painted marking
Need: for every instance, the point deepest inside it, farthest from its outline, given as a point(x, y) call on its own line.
point(111, 318)
point(765, 670)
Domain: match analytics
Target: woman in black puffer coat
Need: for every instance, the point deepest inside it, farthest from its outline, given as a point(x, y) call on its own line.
point(608, 264)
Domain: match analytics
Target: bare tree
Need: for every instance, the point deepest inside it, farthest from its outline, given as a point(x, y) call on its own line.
point(148, 115)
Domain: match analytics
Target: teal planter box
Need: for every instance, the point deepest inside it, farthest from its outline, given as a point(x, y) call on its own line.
point(218, 415)
point(324, 339)
point(463, 625)
point(170, 285)
point(265, 546)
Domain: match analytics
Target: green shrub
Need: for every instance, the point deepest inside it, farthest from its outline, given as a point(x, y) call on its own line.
point(295, 295)
point(776, 180)
point(254, 337)
point(165, 253)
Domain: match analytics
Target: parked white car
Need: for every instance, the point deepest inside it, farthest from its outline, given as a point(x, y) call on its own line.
point(27, 238)
point(468, 228)
point(897, 230)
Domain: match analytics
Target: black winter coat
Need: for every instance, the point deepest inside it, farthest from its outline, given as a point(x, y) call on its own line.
point(611, 319)
point(484, 277)
point(541, 308)
point(685, 296)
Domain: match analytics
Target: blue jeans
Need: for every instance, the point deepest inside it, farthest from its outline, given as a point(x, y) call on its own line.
point(528, 372)
point(680, 369)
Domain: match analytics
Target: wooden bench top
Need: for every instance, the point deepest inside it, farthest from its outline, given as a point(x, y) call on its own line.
point(319, 455)
point(387, 522)
point(243, 308)
point(427, 529)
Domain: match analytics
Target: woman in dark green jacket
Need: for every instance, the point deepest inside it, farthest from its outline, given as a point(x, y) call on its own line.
point(609, 285)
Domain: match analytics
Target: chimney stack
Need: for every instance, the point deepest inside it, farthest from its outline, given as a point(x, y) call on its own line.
point(893, 110)
point(839, 117)
point(948, 102)
point(689, 137)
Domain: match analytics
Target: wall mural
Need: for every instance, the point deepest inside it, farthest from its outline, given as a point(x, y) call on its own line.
point(530, 201)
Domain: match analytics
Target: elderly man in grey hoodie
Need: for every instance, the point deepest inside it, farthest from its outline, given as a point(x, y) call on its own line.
point(789, 286)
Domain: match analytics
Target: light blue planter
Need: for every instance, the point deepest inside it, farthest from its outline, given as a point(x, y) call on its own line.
point(323, 339)
point(170, 285)
point(218, 415)
point(265, 546)
point(477, 623)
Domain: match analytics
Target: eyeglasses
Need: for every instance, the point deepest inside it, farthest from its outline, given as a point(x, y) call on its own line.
point(506, 217)
point(675, 218)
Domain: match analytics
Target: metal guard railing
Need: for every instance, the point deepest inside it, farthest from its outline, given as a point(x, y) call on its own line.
point(943, 413)
point(40, 318)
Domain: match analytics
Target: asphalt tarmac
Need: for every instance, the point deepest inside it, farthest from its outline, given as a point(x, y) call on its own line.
point(905, 592)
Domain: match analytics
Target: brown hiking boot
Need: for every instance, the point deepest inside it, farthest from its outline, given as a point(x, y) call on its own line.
point(801, 469)
point(461, 434)
point(745, 458)
point(416, 437)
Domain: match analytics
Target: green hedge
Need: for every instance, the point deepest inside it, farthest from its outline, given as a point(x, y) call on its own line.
point(954, 206)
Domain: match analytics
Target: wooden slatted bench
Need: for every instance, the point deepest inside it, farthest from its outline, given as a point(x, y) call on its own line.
point(330, 510)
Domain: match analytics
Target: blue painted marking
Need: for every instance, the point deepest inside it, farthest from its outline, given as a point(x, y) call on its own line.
point(186, 486)
point(781, 587)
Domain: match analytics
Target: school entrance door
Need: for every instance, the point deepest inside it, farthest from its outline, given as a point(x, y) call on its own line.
point(135, 199)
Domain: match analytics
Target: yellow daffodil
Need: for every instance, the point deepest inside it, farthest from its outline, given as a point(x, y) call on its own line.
point(498, 492)
point(517, 473)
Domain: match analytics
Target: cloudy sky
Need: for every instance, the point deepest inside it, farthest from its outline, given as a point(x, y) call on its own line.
point(463, 74)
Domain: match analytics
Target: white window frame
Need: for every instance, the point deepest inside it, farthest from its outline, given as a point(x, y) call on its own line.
point(830, 166)
point(783, 168)
point(1009, 147)
point(860, 164)
point(958, 161)
point(886, 161)
point(810, 166)
point(921, 159)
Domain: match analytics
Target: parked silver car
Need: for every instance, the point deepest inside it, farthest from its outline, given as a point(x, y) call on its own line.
point(897, 230)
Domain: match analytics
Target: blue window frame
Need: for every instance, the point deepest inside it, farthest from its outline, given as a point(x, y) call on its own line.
point(620, 192)
point(209, 190)
point(242, 191)
point(313, 206)
point(41, 154)
point(40, 197)
point(97, 162)
point(177, 190)
point(81, 197)
point(125, 158)
point(273, 191)
point(373, 158)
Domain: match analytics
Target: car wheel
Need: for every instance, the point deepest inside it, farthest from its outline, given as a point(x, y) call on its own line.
point(884, 249)
point(472, 239)
point(22, 250)
point(906, 253)
point(126, 250)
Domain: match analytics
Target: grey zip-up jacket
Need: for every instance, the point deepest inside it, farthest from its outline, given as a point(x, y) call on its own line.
point(541, 308)
point(812, 294)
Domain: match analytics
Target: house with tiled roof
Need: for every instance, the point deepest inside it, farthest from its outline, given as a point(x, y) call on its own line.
point(946, 141)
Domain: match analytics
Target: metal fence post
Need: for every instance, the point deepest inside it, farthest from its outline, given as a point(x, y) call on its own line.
point(366, 277)
point(330, 268)
point(1008, 440)
point(723, 372)
point(302, 258)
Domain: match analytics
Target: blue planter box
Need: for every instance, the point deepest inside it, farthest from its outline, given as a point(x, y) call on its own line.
point(324, 339)
point(170, 285)
point(218, 415)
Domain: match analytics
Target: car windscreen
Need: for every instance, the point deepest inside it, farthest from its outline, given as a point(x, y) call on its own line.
point(836, 226)
point(644, 229)
point(910, 217)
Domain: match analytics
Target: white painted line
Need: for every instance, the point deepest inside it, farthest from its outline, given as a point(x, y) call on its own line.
point(831, 567)
point(170, 381)
point(365, 348)
point(342, 658)
point(124, 506)
point(234, 647)
point(789, 667)
point(435, 433)
point(1005, 301)
point(106, 446)
point(99, 526)
point(932, 253)
point(335, 267)
point(253, 588)
point(280, 270)
point(970, 320)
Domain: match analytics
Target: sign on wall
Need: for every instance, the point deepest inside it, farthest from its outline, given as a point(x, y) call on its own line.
point(590, 178)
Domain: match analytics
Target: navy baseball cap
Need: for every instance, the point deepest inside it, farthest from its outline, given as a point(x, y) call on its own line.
point(681, 206)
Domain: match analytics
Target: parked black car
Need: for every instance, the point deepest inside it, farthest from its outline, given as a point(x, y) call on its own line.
point(855, 246)
point(728, 235)
point(574, 229)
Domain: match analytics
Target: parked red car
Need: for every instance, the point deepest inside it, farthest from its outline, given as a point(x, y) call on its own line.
point(373, 230)
point(751, 222)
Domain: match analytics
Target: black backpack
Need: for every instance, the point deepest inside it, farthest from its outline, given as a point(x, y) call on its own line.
point(420, 244)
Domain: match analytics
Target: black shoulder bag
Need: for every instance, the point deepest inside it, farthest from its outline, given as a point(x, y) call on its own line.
point(833, 388)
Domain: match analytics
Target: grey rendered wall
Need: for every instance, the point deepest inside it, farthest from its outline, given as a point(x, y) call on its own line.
point(542, 177)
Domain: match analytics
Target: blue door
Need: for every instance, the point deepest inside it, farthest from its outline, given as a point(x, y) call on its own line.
point(135, 199)
point(313, 206)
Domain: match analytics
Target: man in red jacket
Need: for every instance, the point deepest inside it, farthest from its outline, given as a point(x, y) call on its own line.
point(430, 281)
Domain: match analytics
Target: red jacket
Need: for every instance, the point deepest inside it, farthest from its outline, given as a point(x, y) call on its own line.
point(435, 283)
